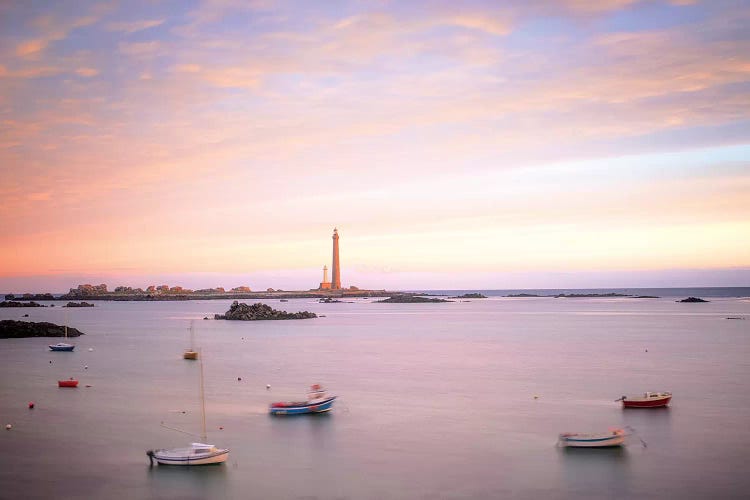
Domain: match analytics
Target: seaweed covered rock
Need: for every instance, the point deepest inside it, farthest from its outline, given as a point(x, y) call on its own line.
point(10, 329)
point(259, 312)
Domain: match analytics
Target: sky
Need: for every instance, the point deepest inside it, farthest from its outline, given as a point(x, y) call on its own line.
point(473, 144)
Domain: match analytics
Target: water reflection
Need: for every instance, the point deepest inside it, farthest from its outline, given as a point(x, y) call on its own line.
point(174, 481)
point(590, 469)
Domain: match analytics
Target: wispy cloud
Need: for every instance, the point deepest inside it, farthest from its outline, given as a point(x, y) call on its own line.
point(134, 26)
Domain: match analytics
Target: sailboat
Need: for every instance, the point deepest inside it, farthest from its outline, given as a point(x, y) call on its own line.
point(191, 353)
point(196, 453)
point(63, 346)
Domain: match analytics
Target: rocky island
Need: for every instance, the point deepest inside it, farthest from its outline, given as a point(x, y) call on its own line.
point(692, 299)
point(260, 312)
point(470, 296)
point(10, 329)
point(410, 299)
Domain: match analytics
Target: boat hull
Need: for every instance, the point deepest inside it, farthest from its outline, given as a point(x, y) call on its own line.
point(62, 347)
point(592, 441)
point(190, 355)
point(301, 409)
point(647, 400)
point(67, 383)
point(647, 404)
point(164, 457)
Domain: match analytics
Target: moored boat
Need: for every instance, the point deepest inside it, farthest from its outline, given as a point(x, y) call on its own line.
point(615, 437)
point(190, 353)
point(62, 346)
point(646, 400)
point(196, 454)
point(317, 402)
point(71, 382)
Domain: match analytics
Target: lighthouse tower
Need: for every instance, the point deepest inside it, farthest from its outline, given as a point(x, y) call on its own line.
point(325, 284)
point(336, 268)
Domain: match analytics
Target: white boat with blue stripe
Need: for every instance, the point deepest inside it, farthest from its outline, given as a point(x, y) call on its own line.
point(615, 437)
point(317, 402)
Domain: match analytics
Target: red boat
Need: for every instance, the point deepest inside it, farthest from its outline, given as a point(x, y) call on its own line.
point(67, 383)
point(646, 400)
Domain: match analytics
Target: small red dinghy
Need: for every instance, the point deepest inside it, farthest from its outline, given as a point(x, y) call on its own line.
point(646, 400)
point(67, 383)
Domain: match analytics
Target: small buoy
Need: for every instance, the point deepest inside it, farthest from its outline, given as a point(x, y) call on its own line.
point(88, 385)
point(536, 397)
point(50, 361)
point(646, 350)
point(86, 367)
point(239, 378)
point(91, 349)
point(31, 405)
point(8, 427)
point(221, 428)
point(268, 386)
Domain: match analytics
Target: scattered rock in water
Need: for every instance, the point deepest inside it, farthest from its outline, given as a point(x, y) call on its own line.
point(260, 312)
point(78, 304)
point(470, 296)
point(692, 299)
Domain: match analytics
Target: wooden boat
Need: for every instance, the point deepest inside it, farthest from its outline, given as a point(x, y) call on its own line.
point(615, 437)
point(190, 353)
point(646, 400)
point(317, 402)
point(196, 453)
point(71, 382)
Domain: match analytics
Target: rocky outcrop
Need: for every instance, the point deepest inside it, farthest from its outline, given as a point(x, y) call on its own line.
point(471, 296)
point(13, 303)
point(10, 329)
point(410, 299)
point(692, 299)
point(260, 312)
point(78, 304)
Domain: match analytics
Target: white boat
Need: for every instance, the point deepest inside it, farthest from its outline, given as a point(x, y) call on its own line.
point(196, 453)
point(615, 437)
point(63, 346)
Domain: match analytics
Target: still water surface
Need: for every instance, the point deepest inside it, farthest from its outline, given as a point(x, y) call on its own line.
point(436, 400)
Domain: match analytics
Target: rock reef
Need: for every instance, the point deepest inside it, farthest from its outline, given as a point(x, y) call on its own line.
point(10, 329)
point(260, 312)
point(410, 299)
point(471, 296)
point(13, 303)
point(78, 304)
point(692, 299)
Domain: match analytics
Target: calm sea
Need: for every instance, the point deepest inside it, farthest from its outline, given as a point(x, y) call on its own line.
point(436, 400)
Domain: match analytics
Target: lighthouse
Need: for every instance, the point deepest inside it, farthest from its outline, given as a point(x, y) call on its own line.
point(335, 268)
point(325, 284)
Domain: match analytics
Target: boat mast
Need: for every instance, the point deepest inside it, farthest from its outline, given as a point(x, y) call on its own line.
point(203, 401)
